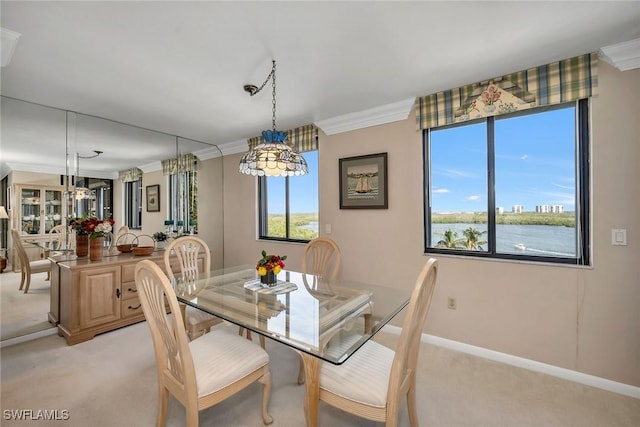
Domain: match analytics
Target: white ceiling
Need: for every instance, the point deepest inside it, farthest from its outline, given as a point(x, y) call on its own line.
point(179, 67)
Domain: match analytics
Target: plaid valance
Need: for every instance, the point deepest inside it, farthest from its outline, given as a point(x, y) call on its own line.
point(183, 163)
point(555, 83)
point(300, 139)
point(130, 175)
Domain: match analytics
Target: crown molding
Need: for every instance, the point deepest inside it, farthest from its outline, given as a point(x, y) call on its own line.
point(234, 147)
point(372, 117)
point(208, 153)
point(624, 56)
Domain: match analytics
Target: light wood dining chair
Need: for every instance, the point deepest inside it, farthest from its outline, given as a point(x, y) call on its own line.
point(202, 372)
point(321, 257)
point(56, 237)
point(187, 250)
point(373, 382)
point(27, 268)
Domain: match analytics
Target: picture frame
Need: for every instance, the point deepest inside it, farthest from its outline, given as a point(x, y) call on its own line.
point(153, 198)
point(363, 182)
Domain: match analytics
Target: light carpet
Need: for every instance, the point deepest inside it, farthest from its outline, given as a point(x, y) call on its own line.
point(111, 381)
point(20, 313)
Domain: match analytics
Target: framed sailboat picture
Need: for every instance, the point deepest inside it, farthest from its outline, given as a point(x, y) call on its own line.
point(363, 182)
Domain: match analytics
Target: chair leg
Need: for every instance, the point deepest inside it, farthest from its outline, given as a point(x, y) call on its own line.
point(28, 282)
point(192, 417)
point(411, 406)
point(22, 277)
point(163, 402)
point(266, 395)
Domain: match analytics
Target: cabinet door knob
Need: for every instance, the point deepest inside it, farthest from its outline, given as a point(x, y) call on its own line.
point(118, 293)
point(132, 290)
point(135, 308)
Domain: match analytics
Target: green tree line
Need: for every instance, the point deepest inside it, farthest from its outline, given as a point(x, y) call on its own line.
point(566, 219)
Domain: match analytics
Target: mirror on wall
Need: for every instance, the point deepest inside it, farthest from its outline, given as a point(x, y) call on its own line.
point(40, 148)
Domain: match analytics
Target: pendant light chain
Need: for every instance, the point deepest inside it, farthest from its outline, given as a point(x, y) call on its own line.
point(254, 90)
point(273, 92)
point(272, 156)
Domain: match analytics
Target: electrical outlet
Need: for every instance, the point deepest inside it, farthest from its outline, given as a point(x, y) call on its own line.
point(451, 303)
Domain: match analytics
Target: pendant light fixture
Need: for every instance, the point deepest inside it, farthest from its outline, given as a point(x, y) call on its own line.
point(82, 193)
point(273, 157)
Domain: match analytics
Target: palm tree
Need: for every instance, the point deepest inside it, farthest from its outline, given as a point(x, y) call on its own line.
point(472, 239)
point(450, 240)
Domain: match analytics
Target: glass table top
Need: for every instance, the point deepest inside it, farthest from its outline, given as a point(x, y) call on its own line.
point(327, 319)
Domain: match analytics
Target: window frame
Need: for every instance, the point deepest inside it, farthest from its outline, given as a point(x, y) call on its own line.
point(582, 192)
point(263, 210)
point(129, 208)
point(177, 184)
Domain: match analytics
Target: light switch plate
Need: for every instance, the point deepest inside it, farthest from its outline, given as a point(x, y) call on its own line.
point(619, 237)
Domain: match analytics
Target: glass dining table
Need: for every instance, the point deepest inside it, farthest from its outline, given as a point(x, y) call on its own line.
point(324, 320)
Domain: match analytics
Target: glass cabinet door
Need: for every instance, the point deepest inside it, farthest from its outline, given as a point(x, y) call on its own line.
point(30, 218)
point(52, 209)
point(41, 209)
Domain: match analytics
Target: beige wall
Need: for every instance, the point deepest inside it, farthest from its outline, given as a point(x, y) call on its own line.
point(210, 209)
point(580, 318)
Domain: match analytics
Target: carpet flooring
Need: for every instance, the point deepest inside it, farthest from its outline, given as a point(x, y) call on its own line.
point(20, 313)
point(111, 381)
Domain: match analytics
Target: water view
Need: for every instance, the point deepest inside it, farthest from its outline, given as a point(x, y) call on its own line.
point(551, 240)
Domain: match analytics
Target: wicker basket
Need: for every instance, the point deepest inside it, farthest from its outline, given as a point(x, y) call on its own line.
point(123, 246)
point(143, 250)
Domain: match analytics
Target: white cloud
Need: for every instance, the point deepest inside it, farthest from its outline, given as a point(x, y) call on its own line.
point(454, 173)
point(523, 157)
point(440, 191)
point(566, 187)
point(473, 198)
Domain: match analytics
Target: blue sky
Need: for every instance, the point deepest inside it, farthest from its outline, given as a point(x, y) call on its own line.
point(535, 163)
point(303, 189)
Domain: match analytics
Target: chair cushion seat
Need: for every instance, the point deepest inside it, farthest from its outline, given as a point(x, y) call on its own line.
point(195, 316)
point(40, 265)
point(363, 378)
point(221, 357)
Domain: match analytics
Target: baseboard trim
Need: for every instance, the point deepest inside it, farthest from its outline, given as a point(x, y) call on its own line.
point(28, 337)
point(532, 365)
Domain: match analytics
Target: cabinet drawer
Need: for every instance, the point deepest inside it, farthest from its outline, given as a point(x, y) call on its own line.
point(129, 272)
point(131, 307)
point(129, 290)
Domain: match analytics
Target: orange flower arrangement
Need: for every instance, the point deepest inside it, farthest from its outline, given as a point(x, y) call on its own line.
point(268, 263)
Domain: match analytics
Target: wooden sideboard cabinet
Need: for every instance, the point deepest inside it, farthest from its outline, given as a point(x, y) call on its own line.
point(92, 297)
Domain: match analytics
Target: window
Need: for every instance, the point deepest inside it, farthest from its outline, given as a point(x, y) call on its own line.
point(133, 204)
point(513, 186)
point(183, 201)
point(288, 206)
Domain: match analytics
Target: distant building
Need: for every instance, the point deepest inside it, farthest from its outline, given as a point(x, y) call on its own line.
point(500, 210)
point(517, 209)
point(549, 208)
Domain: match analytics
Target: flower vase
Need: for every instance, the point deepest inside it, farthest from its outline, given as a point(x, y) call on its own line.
point(269, 279)
point(82, 245)
point(96, 248)
point(489, 108)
